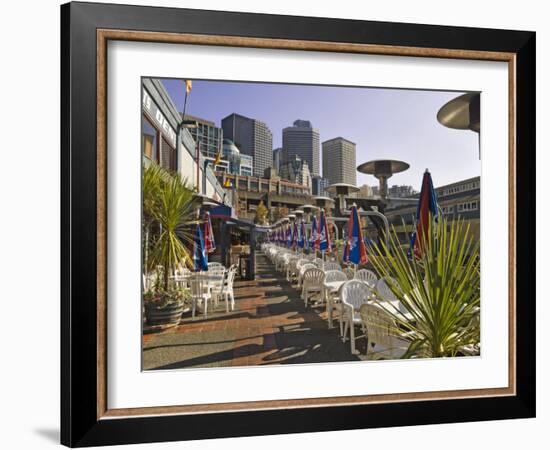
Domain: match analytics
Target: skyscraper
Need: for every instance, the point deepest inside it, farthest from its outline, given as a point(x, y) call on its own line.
point(208, 135)
point(302, 140)
point(252, 137)
point(339, 161)
point(277, 158)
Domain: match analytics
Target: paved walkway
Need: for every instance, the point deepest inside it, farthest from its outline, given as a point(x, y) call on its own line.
point(268, 326)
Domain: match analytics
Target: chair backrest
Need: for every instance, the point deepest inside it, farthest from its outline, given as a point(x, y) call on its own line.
point(383, 290)
point(301, 262)
point(214, 264)
point(355, 293)
point(229, 279)
point(334, 275)
point(366, 275)
point(380, 325)
point(313, 276)
point(305, 267)
point(318, 262)
point(216, 270)
point(332, 266)
point(197, 285)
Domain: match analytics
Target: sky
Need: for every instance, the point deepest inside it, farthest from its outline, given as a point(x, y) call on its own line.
point(384, 123)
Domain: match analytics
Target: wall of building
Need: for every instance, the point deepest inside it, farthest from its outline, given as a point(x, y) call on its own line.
point(167, 117)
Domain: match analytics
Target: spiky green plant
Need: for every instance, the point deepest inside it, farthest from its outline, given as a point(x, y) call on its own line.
point(167, 206)
point(440, 289)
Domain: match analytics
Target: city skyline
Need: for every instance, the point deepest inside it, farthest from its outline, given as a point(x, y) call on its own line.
point(384, 123)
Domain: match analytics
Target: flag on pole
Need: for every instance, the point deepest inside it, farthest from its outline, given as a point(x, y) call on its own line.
point(313, 237)
point(356, 251)
point(324, 237)
point(209, 243)
point(426, 210)
point(188, 86)
point(200, 260)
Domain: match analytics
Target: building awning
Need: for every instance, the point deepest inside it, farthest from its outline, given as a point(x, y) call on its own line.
point(222, 212)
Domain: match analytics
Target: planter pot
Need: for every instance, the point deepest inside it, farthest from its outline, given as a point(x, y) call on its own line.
point(163, 315)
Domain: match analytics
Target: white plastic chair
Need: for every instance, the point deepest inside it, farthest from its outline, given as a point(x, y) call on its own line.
point(318, 262)
point(312, 282)
point(225, 290)
point(367, 276)
point(382, 331)
point(354, 294)
point(383, 291)
point(332, 298)
point(199, 294)
point(331, 265)
point(291, 267)
point(301, 271)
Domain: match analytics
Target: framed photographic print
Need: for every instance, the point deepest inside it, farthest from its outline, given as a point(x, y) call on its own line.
point(276, 224)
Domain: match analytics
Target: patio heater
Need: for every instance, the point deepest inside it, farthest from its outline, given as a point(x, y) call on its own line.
point(308, 209)
point(462, 113)
point(325, 203)
point(383, 169)
point(341, 190)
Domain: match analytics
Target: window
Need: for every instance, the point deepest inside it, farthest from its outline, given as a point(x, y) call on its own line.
point(168, 156)
point(149, 140)
point(468, 206)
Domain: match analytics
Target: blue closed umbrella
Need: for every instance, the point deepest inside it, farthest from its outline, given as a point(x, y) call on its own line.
point(355, 251)
point(313, 238)
point(200, 260)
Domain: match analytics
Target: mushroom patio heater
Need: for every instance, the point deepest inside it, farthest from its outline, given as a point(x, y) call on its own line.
point(307, 209)
point(298, 213)
point(462, 113)
point(341, 190)
point(325, 203)
point(382, 169)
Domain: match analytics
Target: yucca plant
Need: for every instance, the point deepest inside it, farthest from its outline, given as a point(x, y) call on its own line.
point(168, 206)
point(440, 289)
point(152, 180)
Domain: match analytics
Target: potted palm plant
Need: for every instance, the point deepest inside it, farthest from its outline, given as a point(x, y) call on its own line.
point(440, 288)
point(168, 213)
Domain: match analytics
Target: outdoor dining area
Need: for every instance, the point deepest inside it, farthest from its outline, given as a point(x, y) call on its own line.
point(369, 300)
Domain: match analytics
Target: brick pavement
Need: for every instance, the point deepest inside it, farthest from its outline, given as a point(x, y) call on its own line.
point(268, 326)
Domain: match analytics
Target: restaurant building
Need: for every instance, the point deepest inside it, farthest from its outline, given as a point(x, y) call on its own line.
point(164, 141)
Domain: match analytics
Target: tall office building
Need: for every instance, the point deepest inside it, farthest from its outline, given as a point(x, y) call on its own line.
point(339, 161)
point(252, 137)
point(277, 158)
point(302, 140)
point(208, 135)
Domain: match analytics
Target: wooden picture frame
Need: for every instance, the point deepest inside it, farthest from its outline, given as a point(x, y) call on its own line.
point(85, 416)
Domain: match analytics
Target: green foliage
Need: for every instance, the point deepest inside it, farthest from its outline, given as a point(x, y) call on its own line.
point(441, 289)
point(168, 211)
